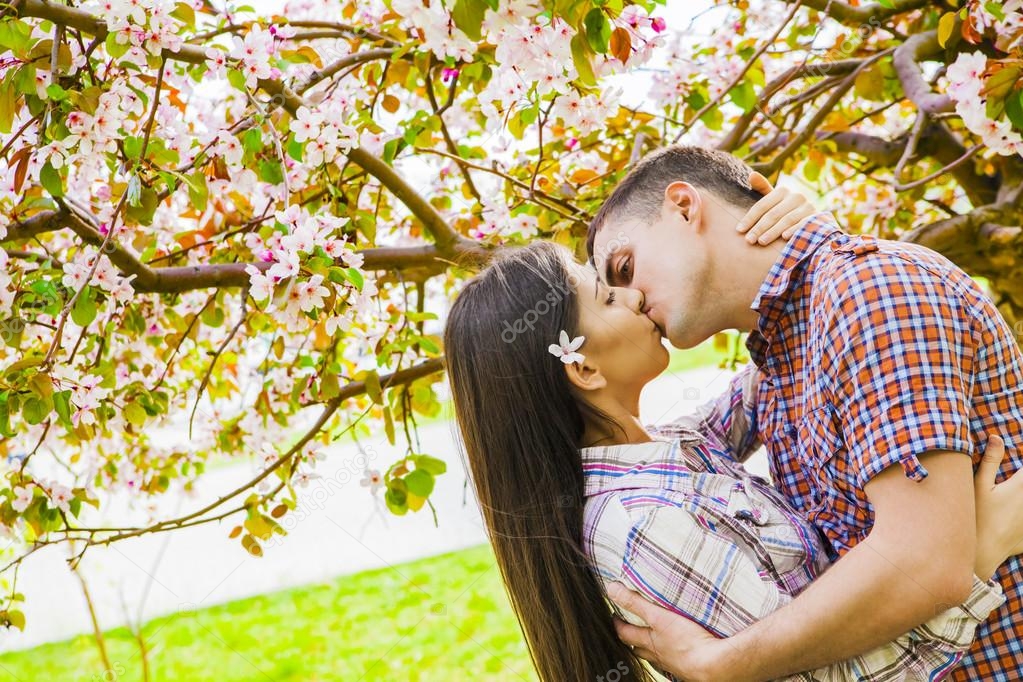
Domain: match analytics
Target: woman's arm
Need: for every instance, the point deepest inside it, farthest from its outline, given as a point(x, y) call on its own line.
point(727, 420)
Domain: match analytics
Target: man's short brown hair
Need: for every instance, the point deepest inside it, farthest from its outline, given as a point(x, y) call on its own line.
point(641, 192)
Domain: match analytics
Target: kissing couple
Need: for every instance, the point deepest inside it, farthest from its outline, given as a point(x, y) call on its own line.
point(884, 386)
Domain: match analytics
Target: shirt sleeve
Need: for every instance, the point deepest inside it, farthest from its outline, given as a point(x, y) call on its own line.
point(680, 562)
point(727, 420)
point(896, 350)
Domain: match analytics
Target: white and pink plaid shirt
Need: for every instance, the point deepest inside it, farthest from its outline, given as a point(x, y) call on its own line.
point(680, 521)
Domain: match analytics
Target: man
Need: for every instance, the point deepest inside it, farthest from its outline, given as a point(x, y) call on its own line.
point(884, 368)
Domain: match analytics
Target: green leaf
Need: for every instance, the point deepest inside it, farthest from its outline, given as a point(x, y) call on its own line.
point(12, 330)
point(5, 415)
point(995, 10)
point(198, 191)
point(55, 92)
point(236, 78)
point(598, 30)
point(35, 410)
point(132, 146)
point(1014, 109)
point(15, 618)
point(252, 140)
point(373, 388)
point(581, 59)
point(84, 310)
point(429, 464)
point(295, 149)
point(142, 213)
point(135, 414)
point(389, 424)
point(744, 96)
point(185, 13)
point(16, 36)
point(8, 102)
point(420, 482)
point(946, 25)
point(62, 403)
point(270, 171)
point(354, 275)
point(468, 16)
point(49, 178)
point(396, 500)
point(115, 49)
point(428, 345)
point(329, 386)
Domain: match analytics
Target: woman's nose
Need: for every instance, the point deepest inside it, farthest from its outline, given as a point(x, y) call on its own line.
point(638, 300)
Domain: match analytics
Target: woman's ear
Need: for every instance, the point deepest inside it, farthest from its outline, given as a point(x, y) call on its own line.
point(585, 375)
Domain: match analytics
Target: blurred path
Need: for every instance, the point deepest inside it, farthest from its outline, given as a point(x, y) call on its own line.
point(338, 528)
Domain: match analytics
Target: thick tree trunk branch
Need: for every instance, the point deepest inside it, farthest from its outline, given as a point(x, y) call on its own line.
point(871, 13)
point(178, 279)
point(907, 58)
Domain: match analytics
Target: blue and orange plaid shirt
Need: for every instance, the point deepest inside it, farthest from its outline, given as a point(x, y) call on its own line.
point(873, 353)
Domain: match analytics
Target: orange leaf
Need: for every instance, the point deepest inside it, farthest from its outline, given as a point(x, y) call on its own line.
point(390, 103)
point(20, 162)
point(583, 175)
point(621, 44)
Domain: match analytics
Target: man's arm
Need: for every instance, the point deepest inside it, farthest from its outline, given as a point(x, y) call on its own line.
point(726, 420)
point(916, 562)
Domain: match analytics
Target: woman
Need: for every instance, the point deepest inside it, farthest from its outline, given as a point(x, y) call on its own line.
point(575, 492)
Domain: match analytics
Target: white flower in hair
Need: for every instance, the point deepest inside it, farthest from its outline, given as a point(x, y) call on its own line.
point(566, 350)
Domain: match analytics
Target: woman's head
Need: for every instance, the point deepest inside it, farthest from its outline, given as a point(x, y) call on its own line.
point(522, 413)
point(508, 317)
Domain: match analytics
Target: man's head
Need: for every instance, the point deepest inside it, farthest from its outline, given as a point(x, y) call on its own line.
point(666, 230)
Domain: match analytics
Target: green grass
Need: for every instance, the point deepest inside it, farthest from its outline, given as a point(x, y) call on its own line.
point(439, 619)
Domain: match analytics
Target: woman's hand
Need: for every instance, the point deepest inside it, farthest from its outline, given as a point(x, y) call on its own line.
point(999, 512)
point(778, 214)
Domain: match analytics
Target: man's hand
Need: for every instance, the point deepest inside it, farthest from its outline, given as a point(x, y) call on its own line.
point(672, 643)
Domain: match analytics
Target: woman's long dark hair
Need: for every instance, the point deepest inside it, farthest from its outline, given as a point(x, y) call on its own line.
point(521, 428)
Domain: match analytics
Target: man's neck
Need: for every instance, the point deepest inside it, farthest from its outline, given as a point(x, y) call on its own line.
point(740, 274)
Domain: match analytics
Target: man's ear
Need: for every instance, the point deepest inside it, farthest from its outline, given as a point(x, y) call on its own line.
point(683, 200)
point(585, 376)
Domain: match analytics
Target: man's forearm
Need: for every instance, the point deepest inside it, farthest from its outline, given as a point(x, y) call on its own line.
point(880, 590)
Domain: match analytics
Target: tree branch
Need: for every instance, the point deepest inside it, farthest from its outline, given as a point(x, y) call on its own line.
point(919, 47)
point(872, 13)
point(348, 391)
point(448, 241)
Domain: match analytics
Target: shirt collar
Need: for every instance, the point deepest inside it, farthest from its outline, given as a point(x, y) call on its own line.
point(605, 466)
point(817, 230)
point(643, 465)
